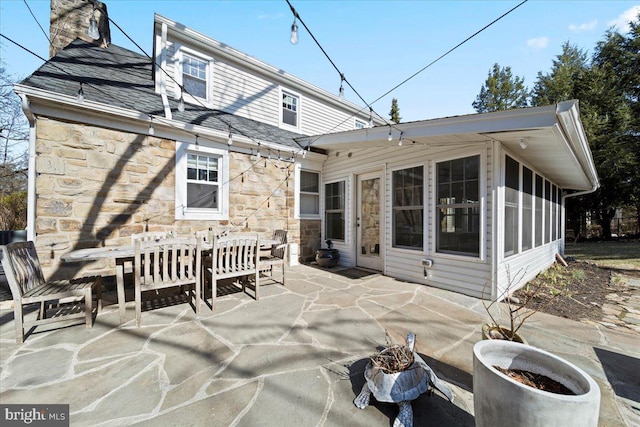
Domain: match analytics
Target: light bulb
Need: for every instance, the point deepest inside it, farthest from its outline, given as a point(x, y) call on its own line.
point(152, 131)
point(294, 32)
point(181, 104)
point(400, 140)
point(80, 94)
point(230, 139)
point(390, 137)
point(93, 29)
point(341, 92)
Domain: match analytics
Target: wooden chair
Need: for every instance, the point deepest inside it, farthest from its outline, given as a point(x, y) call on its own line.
point(278, 254)
point(28, 286)
point(166, 263)
point(235, 255)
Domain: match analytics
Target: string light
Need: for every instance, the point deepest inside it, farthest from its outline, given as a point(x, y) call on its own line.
point(80, 94)
point(93, 26)
point(258, 151)
point(230, 138)
point(400, 140)
point(152, 131)
point(390, 137)
point(341, 91)
point(197, 140)
point(370, 117)
point(294, 32)
point(181, 104)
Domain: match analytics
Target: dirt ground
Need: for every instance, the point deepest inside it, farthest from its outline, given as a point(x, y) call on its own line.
point(575, 292)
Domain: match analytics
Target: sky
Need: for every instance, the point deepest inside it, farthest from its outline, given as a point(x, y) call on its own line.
point(376, 45)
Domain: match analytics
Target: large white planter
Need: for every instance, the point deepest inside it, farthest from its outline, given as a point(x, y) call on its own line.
point(501, 401)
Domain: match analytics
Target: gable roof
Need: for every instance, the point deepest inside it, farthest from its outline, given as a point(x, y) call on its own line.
point(122, 79)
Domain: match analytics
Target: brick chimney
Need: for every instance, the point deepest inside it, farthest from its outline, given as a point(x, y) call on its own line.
point(70, 20)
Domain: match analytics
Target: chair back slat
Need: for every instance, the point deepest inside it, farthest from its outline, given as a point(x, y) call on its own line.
point(281, 237)
point(150, 235)
point(22, 267)
point(235, 254)
point(167, 262)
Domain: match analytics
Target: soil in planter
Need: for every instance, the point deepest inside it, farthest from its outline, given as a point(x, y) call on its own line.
point(541, 382)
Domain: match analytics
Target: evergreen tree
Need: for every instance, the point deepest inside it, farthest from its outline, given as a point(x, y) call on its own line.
point(395, 111)
point(562, 83)
point(501, 91)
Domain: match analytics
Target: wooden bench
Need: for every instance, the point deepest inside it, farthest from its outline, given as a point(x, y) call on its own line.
point(28, 286)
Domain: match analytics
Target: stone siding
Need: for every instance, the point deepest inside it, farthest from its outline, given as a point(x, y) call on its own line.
point(96, 187)
point(310, 234)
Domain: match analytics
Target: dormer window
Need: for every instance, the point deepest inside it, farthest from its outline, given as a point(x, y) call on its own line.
point(194, 76)
point(290, 109)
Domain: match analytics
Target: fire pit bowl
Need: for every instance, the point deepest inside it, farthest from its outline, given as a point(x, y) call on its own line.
point(400, 387)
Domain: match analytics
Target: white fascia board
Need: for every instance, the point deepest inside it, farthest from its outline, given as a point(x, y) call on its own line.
point(569, 119)
point(222, 50)
point(516, 119)
point(55, 105)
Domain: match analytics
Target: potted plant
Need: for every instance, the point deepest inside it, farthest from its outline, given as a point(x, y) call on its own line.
point(327, 257)
point(519, 385)
point(515, 311)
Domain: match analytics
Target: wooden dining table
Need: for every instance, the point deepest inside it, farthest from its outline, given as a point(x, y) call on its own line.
point(124, 256)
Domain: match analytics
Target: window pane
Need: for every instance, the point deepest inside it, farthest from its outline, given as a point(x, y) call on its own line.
point(334, 226)
point(309, 204)
point(289, 109)
point(194, 86)
point(458, 184)
point(408, 228)
point(202, 196)
point(309, 182)
point(547, 210)
point(538, 211)
point(334, 211)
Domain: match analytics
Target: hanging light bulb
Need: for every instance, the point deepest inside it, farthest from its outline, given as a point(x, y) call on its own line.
point(152, 131)
point(390, 137)
point(304, 153)
point(230, 138)
point(181, 104)
point(370, 117)
point(341, 91)
point(93, 27)
point(197, 140)
point(258, 153)
point(294, 32)
point(400, 140)
point(80, 94)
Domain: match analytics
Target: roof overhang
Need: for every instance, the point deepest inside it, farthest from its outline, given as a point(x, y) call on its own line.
point(550, 139)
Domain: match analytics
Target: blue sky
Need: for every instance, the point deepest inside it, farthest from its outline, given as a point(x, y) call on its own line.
point(375, 44)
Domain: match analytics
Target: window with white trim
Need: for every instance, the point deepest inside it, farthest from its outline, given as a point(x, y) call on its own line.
point(408, 208)
point(458, 206)
point(511, 206)
point(334, 211)
point(359, 124)
point(202, 175)
point(194, 76)
point(309, 193)
point(290, 108)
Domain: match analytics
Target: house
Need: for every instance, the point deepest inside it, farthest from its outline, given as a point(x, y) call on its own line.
point(202, 136)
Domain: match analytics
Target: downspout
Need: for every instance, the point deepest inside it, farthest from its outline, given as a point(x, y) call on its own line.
point(31, 174)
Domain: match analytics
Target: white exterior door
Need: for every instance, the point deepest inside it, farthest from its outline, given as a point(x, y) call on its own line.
point(369, 233)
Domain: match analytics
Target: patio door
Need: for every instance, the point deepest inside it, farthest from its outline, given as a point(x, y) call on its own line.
point(369, 234)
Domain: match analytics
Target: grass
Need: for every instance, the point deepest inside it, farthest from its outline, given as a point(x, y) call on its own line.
point(615, 254)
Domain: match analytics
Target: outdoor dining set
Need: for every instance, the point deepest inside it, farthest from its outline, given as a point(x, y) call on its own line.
point(193, 265)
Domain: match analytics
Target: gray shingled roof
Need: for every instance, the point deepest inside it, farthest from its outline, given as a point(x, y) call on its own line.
point(122, 78)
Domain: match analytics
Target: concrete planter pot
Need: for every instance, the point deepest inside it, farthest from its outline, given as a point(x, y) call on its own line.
point(501, 401)
point(327, 257)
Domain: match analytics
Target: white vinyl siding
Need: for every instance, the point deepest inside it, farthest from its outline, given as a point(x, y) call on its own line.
point(466, 275)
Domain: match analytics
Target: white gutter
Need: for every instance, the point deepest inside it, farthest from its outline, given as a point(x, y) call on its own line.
point(163, 77)
point(31, 172)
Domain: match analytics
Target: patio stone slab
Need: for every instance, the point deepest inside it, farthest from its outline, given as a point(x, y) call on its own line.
point(121, 341)
point(188, 349)
point(289, 399)
point(26, 370)
point(264, 327)
point(219, 410)
point(187, 390)
point(263, 360)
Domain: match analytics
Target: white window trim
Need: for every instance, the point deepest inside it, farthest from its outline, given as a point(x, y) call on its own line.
point(182, 50)
point(363, 122)
point(345, 209)
point(299, 112)
point(298, 214)
point(181, 211)
point(482, 258)
point(425, 204)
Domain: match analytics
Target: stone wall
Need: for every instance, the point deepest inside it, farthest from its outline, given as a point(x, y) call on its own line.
point(96, 187)
point(310, 234)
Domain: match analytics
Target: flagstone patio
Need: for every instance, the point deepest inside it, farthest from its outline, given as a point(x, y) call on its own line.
point(294, 358)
